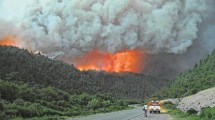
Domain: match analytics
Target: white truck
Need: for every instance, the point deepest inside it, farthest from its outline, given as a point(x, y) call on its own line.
point(155, 107)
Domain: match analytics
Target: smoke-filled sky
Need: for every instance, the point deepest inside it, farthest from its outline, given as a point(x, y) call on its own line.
point(174, 34)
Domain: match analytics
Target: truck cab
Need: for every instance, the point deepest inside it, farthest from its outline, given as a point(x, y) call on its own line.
point(155, 107)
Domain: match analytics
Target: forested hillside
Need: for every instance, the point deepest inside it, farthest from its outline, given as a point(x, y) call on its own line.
point(32, 85)
point(18, 65)
point(201, 77)
point(21, 100)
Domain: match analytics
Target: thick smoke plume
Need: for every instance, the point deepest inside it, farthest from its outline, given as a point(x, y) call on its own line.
point(65, 29)
point(164, 26)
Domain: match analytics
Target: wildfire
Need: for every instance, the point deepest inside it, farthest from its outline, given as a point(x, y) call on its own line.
point(9, 41)
point(130, 61)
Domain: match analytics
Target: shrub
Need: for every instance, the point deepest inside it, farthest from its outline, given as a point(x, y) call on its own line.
point(192, 111)
point(208, 113)
point(8, 92)
point(19, 102)
point(3, 116)
point(169, 105)
point(106, 103)
point(1, 107)
point(94, 104)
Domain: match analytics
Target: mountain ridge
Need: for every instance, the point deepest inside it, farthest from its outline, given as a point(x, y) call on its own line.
point(21, 65)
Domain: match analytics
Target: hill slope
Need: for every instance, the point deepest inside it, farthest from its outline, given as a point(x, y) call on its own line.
point(19, 65)
point(26, 101)
point(201, 77)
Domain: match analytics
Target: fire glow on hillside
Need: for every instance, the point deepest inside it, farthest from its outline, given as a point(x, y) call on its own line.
point(173, 34)
point(8, 41)
point(124, 61)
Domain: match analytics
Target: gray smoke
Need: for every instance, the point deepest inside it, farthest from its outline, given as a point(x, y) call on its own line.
point(170, 65)
point(166, 26)
point(175, 33)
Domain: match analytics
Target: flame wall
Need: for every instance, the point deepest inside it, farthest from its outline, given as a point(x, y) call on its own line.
point(130, 61)
point(174, 33)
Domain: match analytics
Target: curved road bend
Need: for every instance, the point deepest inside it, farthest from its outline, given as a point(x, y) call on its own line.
point(133, 114)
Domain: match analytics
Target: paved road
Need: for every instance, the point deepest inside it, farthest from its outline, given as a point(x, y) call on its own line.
point(134, 114)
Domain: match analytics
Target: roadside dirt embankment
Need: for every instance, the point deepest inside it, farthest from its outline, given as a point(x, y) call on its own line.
point(205, 98)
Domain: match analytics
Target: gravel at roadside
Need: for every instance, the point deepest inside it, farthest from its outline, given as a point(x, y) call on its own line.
point(205, 98)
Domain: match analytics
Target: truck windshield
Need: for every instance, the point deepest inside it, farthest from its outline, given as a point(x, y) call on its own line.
point(154, 104)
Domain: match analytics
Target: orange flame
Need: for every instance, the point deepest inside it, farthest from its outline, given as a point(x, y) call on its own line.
point(125, 61)
point(8, 41)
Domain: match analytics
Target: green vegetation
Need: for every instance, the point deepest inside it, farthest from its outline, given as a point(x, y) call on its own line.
point(206, 114)
point(26, 101)
point(35, 87)
point(35, 69)
point(201, 77)
point(133, 101)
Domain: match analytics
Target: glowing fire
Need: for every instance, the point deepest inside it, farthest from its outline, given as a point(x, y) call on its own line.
point(130, 61)
point(9, 41)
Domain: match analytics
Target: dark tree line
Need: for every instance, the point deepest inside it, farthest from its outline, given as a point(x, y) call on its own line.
point(18, 65)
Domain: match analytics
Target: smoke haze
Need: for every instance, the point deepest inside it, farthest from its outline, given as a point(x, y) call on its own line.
point(174, 33)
